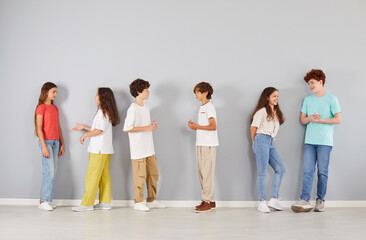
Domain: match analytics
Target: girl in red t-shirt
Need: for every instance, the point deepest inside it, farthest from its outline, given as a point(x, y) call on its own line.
point(51, 142)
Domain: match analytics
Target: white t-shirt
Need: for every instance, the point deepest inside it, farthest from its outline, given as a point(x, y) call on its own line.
point(103, 142)
point(264, 126)
point(206, 137)
point(141, 143)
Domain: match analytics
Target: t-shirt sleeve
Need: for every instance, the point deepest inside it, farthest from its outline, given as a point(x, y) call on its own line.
point(130, 119)
point(304, 108)
point(211, 112)
point(257, 119)
point(40, 109)
point(101, 122)
point(334, 106)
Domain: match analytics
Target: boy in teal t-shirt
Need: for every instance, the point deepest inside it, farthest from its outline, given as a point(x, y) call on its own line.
point(319, 112)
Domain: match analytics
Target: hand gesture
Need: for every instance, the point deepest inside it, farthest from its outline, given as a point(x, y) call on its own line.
point(315, 118)
point(62, 150)
point(192, 125)
point(154, 126)
point(79, 127)
point(82, 138)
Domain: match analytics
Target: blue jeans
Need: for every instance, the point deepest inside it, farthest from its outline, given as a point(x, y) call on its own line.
point(49, 167)
point(315, 154)
point(265, 153)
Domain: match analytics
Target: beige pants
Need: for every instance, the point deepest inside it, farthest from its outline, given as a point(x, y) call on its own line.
point(145, 169)
point(206, 158)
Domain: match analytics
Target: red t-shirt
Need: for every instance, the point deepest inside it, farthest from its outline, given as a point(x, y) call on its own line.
point(50, 121)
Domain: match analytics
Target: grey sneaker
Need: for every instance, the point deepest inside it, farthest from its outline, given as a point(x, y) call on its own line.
point(82, 208)
point(102, 206)
point(301, 206)
point(319, 207)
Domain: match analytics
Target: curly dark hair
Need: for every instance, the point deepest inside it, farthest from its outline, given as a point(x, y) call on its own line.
point(138, 86)
point(316, 74)
point(108, 105)
point(263, 102)
point(204, 87)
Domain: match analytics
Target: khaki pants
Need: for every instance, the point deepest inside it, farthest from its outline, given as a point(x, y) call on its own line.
point(206, 158)
point(97, 176)
point(145, 169)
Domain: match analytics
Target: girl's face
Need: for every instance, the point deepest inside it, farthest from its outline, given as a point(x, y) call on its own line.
point(52, 93)
point(315, 86)
point(145, 94)
point(273, 98)
point(97, 101)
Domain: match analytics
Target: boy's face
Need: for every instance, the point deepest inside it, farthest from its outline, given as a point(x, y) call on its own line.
point(145, 94)
point(315, 86)
point(200, 96)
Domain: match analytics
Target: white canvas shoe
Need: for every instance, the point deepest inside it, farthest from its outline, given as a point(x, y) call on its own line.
point(52, 205)
point(262, 207)
point(140, 206)
point(155, 204)
point(45, 206)
point(275, 204)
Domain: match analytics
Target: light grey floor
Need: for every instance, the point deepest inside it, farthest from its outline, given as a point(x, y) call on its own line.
point(26, 222)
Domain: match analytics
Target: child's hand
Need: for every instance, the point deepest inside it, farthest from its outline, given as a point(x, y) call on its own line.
point(315, 118)
point(82, 138)
point(45, 152)
point(78, 127)
point(154, 125)
point(192, 125)
point(62, 150)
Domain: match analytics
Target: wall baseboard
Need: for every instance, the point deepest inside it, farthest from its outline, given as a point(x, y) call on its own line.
point(129, 203)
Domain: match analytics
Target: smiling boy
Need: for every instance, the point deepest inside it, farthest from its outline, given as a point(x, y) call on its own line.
point(319, 112)
point(206, 143)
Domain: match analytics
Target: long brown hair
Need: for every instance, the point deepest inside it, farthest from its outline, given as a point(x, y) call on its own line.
point(263, 102)
point(43, 97)
point(108, 105)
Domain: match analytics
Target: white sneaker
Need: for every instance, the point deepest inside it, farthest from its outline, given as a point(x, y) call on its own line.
point(102, 206)
point(262, 207)
point(275, 204)
point(52, 205)
point(45, 206)
point(82, 208)
point(140, 206)
point(155, 204)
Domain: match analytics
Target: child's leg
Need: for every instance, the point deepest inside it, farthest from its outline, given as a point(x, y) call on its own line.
point(261, 146)
point(309, 168)
point(277, 165)
point(48, 174)
point(139, 178)
point(323, 155)
point(206, 165)
point(92, 178)
point(152, 177)
point(105, 181)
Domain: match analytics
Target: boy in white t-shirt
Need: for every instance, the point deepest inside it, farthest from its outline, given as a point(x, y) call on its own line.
point(206, 143)
point(144, 166)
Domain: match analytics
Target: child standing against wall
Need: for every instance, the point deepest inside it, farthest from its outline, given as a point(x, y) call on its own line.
point(144, 165)
point(100, 149)
point(51, 142)
point(319, 112)
point(265, 123)
point(206, 143)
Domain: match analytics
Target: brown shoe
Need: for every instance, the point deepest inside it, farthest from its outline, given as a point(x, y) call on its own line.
point(206, 207)
point(198, 206)
point(213, 205)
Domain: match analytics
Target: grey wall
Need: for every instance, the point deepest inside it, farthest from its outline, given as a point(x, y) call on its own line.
point(240, 47)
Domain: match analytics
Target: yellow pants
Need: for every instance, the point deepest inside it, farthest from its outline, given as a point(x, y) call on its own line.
point(97, 175)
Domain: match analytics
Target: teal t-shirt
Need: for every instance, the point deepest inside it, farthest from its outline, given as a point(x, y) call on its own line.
point(326, 107)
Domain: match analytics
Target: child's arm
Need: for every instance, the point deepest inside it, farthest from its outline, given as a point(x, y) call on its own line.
point(93, 133)
point(211, 127)
point(149, 128)
point(62, 147)
point(253, 131)
point(337, 119)
point(80, 126)
point(305, 119)
point(39, 124)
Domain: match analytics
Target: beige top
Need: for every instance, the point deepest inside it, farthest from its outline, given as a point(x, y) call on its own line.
point(264, 126)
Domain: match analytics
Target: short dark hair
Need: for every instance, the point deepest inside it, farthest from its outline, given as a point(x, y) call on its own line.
point(315, 74)
point(204, 87)
point(138, 86)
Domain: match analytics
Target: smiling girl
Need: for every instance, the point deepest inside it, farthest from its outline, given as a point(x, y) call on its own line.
point(265, 123)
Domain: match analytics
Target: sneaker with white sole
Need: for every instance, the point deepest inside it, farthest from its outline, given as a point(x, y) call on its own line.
point(82, 208)
point(102, 206)
point(301, 206)
point(262, 207)
point(52, 205)
point(45, 206)
point(275, 204)
point(140, 206)
point(155, 204)
point(319, 207)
